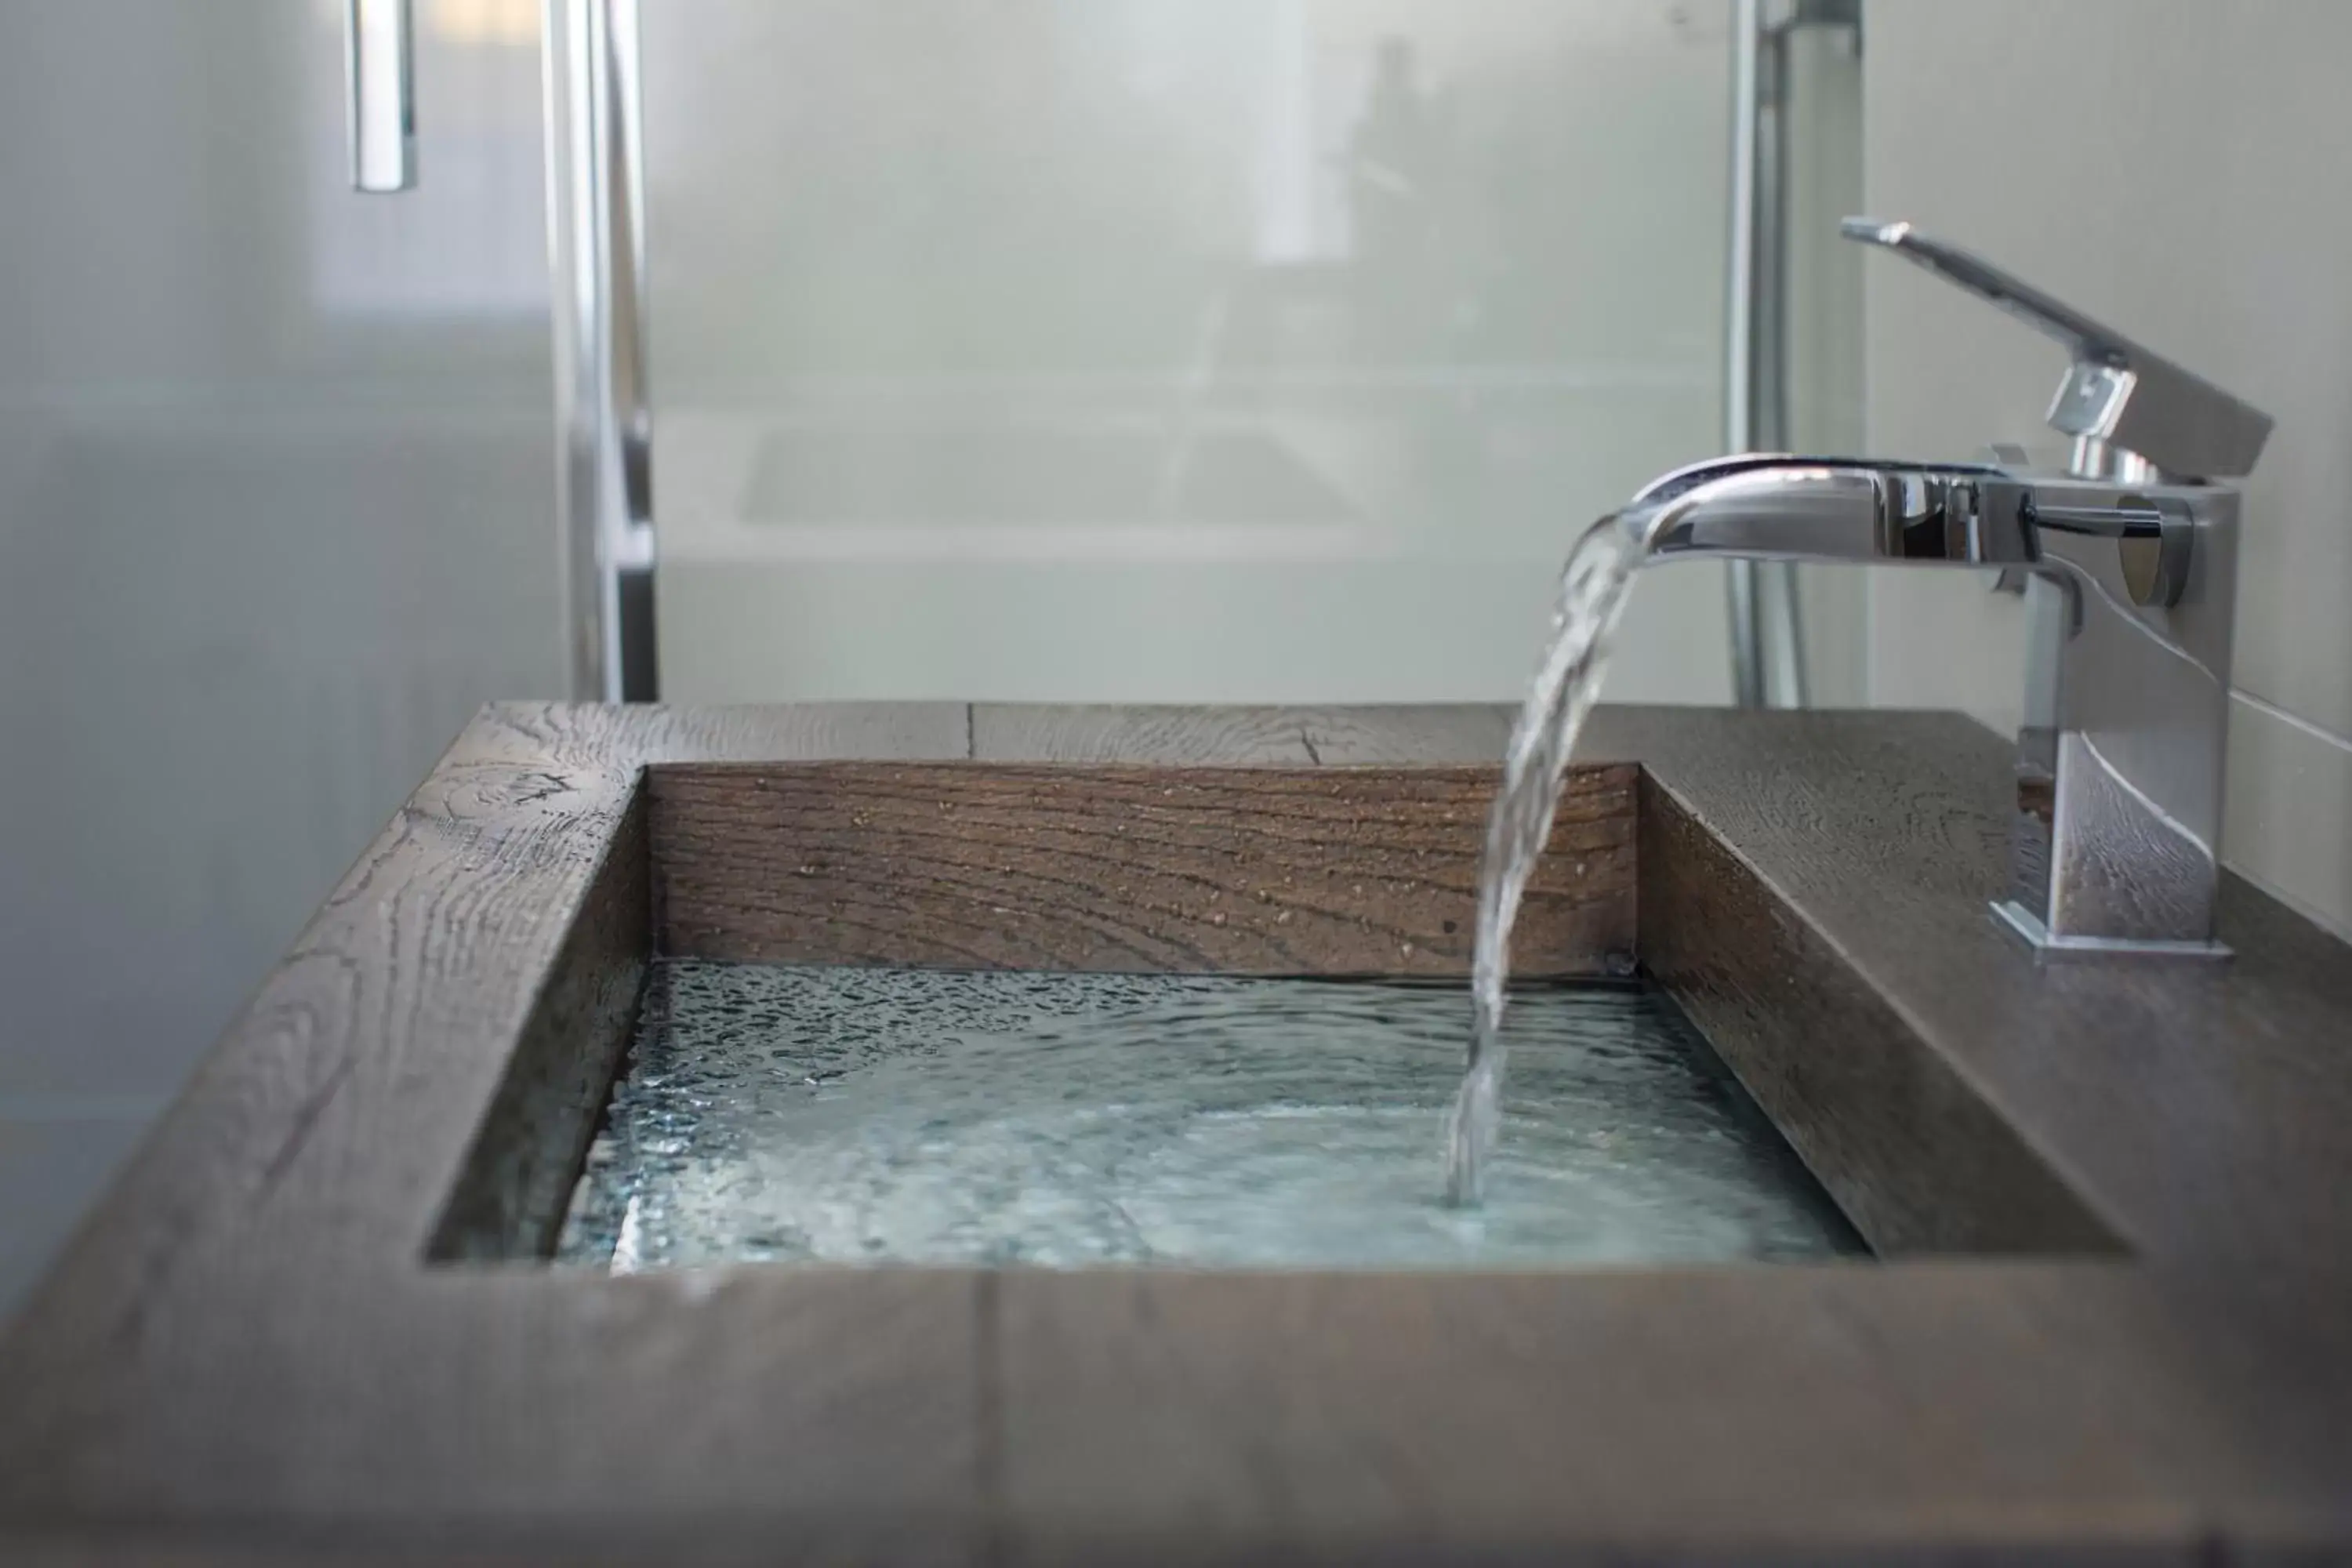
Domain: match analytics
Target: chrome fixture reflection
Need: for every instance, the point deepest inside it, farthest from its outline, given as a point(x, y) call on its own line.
point(379, 88)
point(1768, 657)
point(2130, 564)
point(597, 241)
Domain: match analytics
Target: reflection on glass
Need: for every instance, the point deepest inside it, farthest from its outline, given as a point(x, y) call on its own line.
point(513, 23)
point(471, 236)
point(1355, 309)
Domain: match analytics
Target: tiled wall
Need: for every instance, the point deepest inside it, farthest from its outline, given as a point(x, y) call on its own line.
point(2174, 167)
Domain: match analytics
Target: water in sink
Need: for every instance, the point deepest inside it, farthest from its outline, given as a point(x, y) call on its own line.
point(868, 1115)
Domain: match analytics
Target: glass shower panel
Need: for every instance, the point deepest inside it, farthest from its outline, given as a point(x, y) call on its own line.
point(1819, 284)
point(1172, 349)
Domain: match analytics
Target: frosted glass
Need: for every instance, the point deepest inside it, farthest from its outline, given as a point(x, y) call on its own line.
point(1172, 349)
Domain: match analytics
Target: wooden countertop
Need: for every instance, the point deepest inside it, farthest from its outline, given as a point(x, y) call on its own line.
point(2133, 1340)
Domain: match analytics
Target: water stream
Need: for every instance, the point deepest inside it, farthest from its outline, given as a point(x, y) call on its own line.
point(1591, 595)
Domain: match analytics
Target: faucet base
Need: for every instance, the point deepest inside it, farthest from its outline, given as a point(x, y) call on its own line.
point(2025, 923)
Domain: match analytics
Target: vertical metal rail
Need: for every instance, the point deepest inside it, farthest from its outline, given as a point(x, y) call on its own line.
point(596, 251)
point(632, 400)
point(1741, 580)
point(1768, 652)
point(1779, 625)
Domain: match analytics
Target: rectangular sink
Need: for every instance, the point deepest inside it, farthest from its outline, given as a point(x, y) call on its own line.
point(323, 1310)
point(1025, 1075)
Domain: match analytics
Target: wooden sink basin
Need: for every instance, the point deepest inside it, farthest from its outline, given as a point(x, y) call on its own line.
point(2111, 1312)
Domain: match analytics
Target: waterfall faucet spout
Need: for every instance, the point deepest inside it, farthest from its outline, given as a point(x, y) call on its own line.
point(1812, 508)
point(2129, 561)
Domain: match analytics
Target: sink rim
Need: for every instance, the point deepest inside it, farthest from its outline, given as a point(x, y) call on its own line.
point(247, 1342)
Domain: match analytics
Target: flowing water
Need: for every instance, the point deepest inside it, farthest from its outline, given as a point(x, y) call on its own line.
point(912, 1116)
point(1591, 595)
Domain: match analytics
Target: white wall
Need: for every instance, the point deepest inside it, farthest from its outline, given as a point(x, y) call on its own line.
point(2175, 167)
point(1036, 350)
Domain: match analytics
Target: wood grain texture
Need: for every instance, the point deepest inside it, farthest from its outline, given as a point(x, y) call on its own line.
point(2203, 1111)
point(550, 1415)
point(401, 1002)
point(246, 1353)
point(1916, 1158)
point(247, 1333)
point(1466, 735)
point(592, 735)
point(1192, 870)
point(1832, 1413)
point(517, 1176)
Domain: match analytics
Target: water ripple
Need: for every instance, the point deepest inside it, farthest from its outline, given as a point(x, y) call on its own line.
point(926, 1117)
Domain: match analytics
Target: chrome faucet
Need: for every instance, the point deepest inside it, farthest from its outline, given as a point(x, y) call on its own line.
point(2129, 561)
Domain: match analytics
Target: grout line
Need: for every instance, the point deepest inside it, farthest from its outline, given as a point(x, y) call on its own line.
point(2272, 710)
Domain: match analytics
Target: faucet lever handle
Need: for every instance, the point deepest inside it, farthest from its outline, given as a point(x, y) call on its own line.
point(2116, 393)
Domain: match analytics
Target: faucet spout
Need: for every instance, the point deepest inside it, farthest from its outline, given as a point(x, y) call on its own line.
point(1836, 509)
point(2127, 565)
point(2128, 594)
